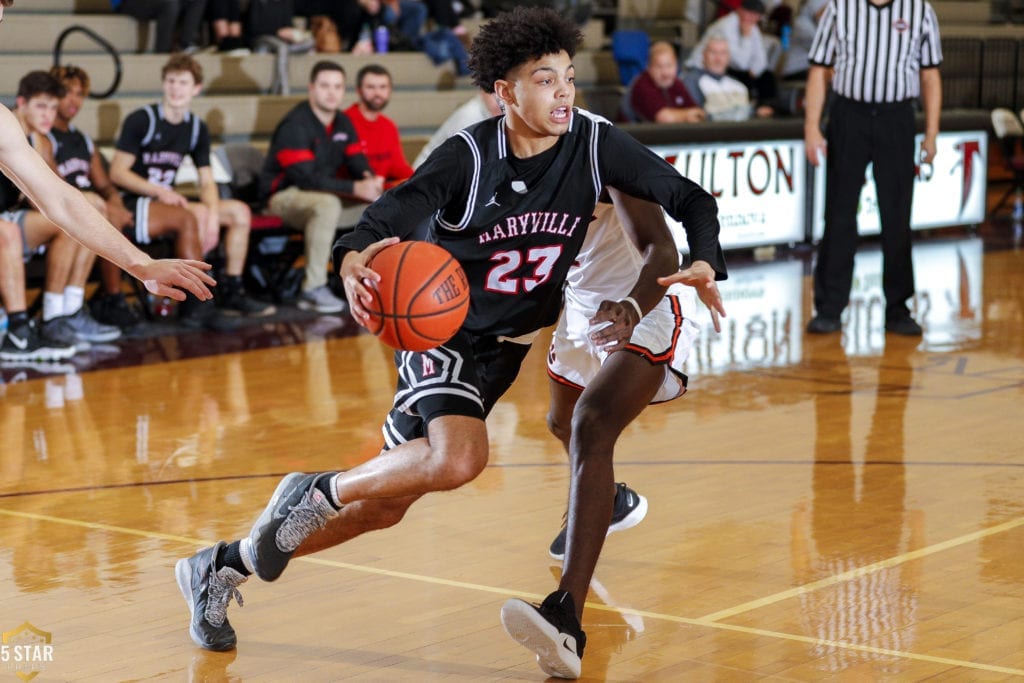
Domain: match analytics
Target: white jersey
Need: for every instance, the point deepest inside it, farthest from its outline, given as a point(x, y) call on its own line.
point(607, 268)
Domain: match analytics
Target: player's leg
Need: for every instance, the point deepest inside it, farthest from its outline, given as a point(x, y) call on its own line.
point(309, 512)
point(625, 385)
point(76, 315)
point(23, 341)
point(318, 214)
point(618, 393)
point(236, 219)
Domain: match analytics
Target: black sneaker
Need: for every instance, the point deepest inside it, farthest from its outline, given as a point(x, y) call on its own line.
point(630, 509)
point(821, 325)
point(208, 593)
point(234, 301)
point(295, 511)
point(204, 315)
point(551, 631)
point(114, 309)
point(904, 325)
point(25, 342)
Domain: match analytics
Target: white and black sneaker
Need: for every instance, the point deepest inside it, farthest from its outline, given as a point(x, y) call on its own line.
point(630, 509)
point(551, 631)
point(25, 342)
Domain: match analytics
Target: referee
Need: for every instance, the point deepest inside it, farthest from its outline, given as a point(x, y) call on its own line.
point(883, 55)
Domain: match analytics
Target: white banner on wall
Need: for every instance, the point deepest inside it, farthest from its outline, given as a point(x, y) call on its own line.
point(760, 188)
point(951, 192)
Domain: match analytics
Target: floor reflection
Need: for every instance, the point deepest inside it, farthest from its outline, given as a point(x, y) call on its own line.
point(856, 518)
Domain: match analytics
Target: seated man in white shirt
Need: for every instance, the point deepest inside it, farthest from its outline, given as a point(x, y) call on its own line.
point(748, 49)
point(483, 105)
point(723, 97)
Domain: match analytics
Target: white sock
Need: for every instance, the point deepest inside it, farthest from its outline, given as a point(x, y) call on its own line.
point(245, 550)
point(74, 297)
point(334, 492)
point(53, 305)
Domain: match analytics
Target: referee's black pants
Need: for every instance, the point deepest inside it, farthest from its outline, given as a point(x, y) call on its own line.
point(858, 133)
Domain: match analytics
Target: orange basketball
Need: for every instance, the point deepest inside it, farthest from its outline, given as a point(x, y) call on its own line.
point(422, 297)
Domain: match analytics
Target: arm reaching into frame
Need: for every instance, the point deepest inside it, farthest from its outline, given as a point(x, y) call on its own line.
point(66, 207)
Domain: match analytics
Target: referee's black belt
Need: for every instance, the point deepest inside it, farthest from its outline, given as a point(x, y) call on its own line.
point(873, 108)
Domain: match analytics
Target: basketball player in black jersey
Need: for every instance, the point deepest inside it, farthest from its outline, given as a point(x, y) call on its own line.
point(153, 142)
point(511, 198)
point(66, 207)
point(78, 162)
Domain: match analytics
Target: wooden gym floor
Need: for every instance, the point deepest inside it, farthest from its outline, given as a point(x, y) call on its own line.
point(839, 508)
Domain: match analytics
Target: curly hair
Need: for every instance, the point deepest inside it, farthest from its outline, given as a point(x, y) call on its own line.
point(70, 72)
point(514, 38)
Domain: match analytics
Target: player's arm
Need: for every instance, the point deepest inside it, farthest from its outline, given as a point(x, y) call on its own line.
point(123, 176)
point(395, 217)
point(117, 214)
point(644, 224)
point(634, 169)
point(68, 208)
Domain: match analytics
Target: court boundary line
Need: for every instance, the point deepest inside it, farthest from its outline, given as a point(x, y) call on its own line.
point(707, 621)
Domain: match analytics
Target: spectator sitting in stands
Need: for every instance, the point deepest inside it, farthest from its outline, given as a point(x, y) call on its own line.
point(657, 94)
point(226, 20)
point(165, 12)
point(805, 24)
point(151, 147)
point(379, 134)
point(301, 182)
point(748, 51)
point(269, 28)
point(24, 231)
point(723, 98)
point(481, 106)
point(77, 160)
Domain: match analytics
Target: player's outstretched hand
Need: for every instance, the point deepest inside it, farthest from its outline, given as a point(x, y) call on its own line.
point(612, 326)
point(701, 277)
point(170, 277)
point(356, 277)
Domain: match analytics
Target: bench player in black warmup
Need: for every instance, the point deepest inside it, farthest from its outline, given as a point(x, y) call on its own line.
point(511, 198)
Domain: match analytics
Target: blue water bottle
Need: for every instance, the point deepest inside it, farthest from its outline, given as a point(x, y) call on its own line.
point(784, 36)
point(381, 38)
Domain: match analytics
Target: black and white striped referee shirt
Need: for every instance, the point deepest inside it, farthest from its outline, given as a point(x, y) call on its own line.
point(878, 51)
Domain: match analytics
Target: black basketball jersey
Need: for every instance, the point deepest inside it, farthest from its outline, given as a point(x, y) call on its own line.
point(160, 146)
point(73, 150)
point(516, 225)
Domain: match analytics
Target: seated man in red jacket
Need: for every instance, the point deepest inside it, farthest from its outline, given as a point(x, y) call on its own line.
point(378, 132)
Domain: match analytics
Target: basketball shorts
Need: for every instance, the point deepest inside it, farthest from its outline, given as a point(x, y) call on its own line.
point(139, 207)
point(465, 376)
point(665, 336)
point(18, 218)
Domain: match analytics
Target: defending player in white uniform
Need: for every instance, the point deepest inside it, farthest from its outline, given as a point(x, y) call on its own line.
point(607, 266)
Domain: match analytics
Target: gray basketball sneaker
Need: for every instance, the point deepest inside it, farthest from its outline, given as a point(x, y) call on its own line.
point(630, 509)
point(295, 511)
point(208, 592)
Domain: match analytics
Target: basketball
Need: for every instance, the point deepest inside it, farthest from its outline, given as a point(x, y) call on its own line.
point(422, 297)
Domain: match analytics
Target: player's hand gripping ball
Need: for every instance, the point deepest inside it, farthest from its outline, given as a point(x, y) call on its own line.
point(422, 298)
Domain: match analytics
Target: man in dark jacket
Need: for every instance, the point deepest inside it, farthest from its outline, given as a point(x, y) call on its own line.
point(317, 177)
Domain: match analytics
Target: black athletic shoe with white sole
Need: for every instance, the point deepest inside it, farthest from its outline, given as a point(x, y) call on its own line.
point(630, 509)
point(551, 631)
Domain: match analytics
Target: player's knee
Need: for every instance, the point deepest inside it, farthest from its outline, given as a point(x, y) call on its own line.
point(238, 215)
point(10, 237)
point(326, 208)
point(558, 428)
point(457, 465)
point(593, 425)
